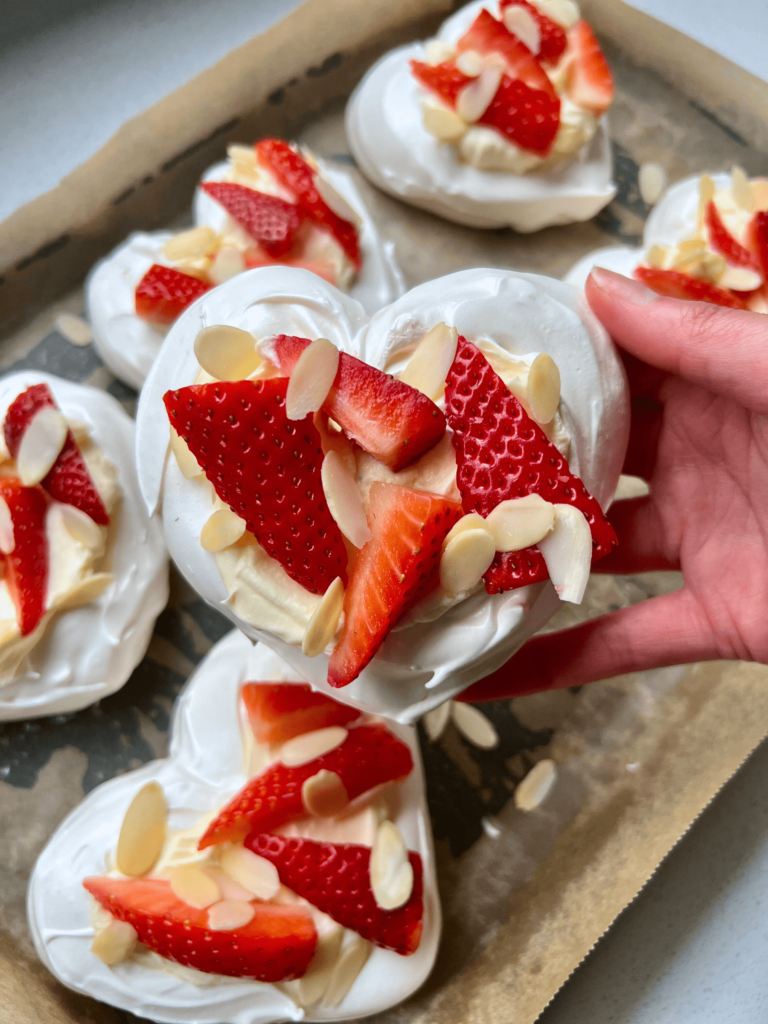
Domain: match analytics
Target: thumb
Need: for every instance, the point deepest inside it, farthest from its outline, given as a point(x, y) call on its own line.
point(722, 350)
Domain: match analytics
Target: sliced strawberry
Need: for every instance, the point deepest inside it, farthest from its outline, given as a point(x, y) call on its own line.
point(295, 174)
point(502, 453)
point(553, 38)
point(368, 757)
point(487, 35)
point(335, 878)
point(69, 480)
point(392, 571)
point(722, 240)
point(279, 711)
point(267, 469)
point(444, 80)
point(255, 257)
point(392, 421)
point(757, 239)
point(164, 293)
point(674, 285)
point(269, 220)
point(590, 82)
point(277, 944)
point(527, 117)
point(26, 567)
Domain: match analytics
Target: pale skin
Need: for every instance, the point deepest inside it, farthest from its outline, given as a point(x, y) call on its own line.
point(698, 377)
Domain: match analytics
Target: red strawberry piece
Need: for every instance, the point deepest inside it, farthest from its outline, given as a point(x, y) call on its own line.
point(675, 285)
point(528, 117)
point(277, 944)
point(269, 220)
point(164, 293)
point(444, 80)
point(590, 82)
point(389, 419)
point(267, 469)
point(757, 239)
point(722, 240)
point(553, 39)
point(335, 878)
point(368, 757)
point(295, 174)
point(279, 711)
point(26, 567)
point(69, 480)
point(487, 35)
point(502, 453)
point(397, 565)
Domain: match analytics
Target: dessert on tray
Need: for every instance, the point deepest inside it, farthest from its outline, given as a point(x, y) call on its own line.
point(268, 204)
point(707, 239)
point(85, 571)
point(496, 122)
point(276, 866)
point(383, 501)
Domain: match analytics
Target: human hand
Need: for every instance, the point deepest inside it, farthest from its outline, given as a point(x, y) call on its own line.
point(698, 377)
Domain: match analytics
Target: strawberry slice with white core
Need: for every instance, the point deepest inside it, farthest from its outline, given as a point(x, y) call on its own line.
point(68, 480)
point(501, 453)
point(269, 220)
point(486, 35)
point(553, 39)
point(266, 468)
point(723, 242)
point(590, 82)
point(675, 285)
point(277, 944)
point(389, 419)
point(164, 293)
point(397, 566)
point(26, 557)
point(279, 711)
point(370, 756)
point(335, 878)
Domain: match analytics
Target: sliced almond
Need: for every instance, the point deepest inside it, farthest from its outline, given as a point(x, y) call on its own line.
point(444, 124)
point(256, 874)
point(76, 330)
point(142, 833)
point(474, 726)
point(543, 388)
point(227, 915)
point(567, 551)
point(465, 560)
point(114, 942)
point(522, 24)
point(227, 263)
point(7, 538)
point(345, 501)
point(186, 461)
point(314, 984)
point(194, 886)
point(226, 353)
point(471, 521)
point(741, 279)
point(324, 795)
point(760, 194)
point(228, 887)
point(536, 786)
point(475, 98)
point(336, 202)
point(311, 379)
point(222, 530)
point(41, 444)
point(81, 527)
point(438, 51)
point(655, 256)
point(390, 869)
point(706, 192)
point(652, 182)
point(741, 189)
point(470, 63)
point(190, 245)
point(324, 622)
point(436, 720)
point(519, 523)
point(351, 962)
point(311, 745)
point(565, 12)
point(431, 360)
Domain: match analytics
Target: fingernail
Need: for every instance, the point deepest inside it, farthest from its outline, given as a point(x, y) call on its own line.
point(623, 288)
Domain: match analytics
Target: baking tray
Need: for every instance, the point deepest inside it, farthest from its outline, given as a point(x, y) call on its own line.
point(525, 896)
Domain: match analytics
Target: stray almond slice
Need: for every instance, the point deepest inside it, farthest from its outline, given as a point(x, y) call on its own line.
point(190, 245)
point(519, 523)
point(353, 959)
point(470, 63)
point(227, 263)
point(567, 551)
point(40, 445)
point(324, 795)
point(142, 833)
point(226, 353)
point(741, 279)
point(475, 98)
point(81, 527)
point(7, 538)
point(76, 330)
point(435, 721)
point(431, 360)
point(522, 24)
point(543, 388)
point(465, 560)
point(741, 189)
point(391, 871)
point(536, 786)
point(474, 726)
point(322, 627)
point(314, 984)
point(221, 530)
point(652, 181)
point(345, 501)
point(256, 874)
point(227, 915)
point(312, 378)
point(336, 202)
point(114, 942)
point(194, 886)
point(186, 461)
point(311, 745)
point(444, 124)
point(471, 521)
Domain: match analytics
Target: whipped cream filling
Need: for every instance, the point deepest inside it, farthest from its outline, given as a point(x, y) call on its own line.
point(205, 768)
point(103, 600)
point(419, 666)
